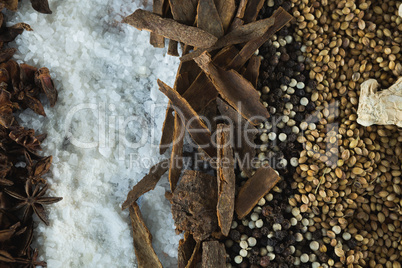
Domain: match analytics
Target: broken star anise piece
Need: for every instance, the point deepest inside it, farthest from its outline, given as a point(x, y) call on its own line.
point(45, 83)
point(26, 138)
point(31, 260)
point(41, 6)
point(33, 201)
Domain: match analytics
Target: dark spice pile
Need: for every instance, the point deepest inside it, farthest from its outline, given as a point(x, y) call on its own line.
point(217, 76)
point(271, 234)
point(337, 198)
point(22, 185)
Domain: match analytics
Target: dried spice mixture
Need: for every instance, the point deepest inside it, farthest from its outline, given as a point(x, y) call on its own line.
point(318, 185)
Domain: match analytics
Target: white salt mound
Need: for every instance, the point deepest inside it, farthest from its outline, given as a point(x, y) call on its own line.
point(103, 132)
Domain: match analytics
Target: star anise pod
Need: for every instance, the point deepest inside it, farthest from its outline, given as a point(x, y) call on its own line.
point(26, 138)
point(32, 260)
point(33, 201)
point(6, 257)
point(37, 170)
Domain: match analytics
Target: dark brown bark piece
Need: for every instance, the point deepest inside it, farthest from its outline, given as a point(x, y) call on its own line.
point(194, 204)
point(226, 10)
point(264, 179)
point(235, 89)
point(244, 136)
point(155, 39)
point(185, 250)
point(213, 255)
point(187, 72)
point(202, 91)
point(252, 10)
point(167, 130)
point(147, 183)
point(253, 70)
point(281, 19)
point(172, 49)
point(184, 11)
point(238, 19)
point(146, 256)
point(145, 20)
point(41, 6)
point(176, 158)
point(241, 34)
point(194, 125)
point(208, 18)
point(226, 178)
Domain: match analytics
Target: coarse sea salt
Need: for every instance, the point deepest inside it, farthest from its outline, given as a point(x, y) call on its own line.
point(103, 132)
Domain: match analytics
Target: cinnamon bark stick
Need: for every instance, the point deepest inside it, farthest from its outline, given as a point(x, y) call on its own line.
point(264, 179)
point(145, 20)
point(142, 238)
point(226, 178)
point(235, 89)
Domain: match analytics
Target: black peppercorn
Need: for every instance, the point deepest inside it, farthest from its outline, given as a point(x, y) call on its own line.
point(264, 230)
point(241, 228)
point(286, 224)
point(300, 92)
point(300, 67)
point(310, 106)
point(294, 100)
point(281, 68)
point(316, 235)
point(283, 265)
point(287, 130)
point(312, 84)
point(286, 252)
point(300, 78)
point(266, 211)
point(274, 60)
point(290, 260)
point(244, 264)
point(264, 75)
point(323, 257)
point(282, 50)
point(235, 235)
point(236, 248)
point(352, 243)
point(289, 72)
point(287, 5)
point(285, 80)
point(285, 57)
point(271, 242)
point(254, 259)
point(257, 233)
point(291, 63)
point(279, 248)
point(291, 138)
point(297, 45)
point(264, 261)
point(280, 235)
point(255, 251)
